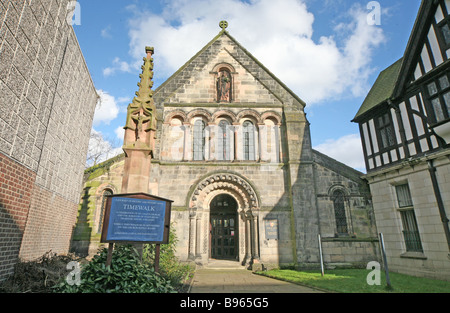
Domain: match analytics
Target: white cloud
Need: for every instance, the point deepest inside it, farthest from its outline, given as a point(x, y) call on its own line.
point(118, 65)
point(108, 71)
point(120, 133)
point(123, 100)
point(106, 110)
point(105, 32)
point(347, 149)
point(278, 33)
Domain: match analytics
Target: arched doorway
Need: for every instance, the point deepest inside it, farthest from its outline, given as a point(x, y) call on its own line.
point(207, 207)
point(224, 230)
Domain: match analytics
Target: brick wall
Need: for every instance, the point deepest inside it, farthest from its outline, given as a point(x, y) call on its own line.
point(47, 101)
point(50, 223)
point(16, 184)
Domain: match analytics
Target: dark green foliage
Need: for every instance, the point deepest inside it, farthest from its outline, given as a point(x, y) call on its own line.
point(40, 275)
point(127, 274)
point(170, 267)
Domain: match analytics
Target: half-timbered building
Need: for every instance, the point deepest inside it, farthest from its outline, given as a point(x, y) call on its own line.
point(405, 130)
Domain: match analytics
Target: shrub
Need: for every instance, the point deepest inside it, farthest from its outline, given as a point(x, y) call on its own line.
point(127, 274)
point(40, 275)
point(169, 265)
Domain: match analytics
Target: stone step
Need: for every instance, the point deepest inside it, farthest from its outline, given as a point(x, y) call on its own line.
point(222, 264)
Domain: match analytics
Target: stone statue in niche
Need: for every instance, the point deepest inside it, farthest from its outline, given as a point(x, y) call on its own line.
point(224, 86)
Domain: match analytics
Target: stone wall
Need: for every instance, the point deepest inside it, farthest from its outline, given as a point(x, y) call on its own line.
point(47, 101)
point(360, 245)
point(177, 181)
point(434, 261)
point(105, 176)
point(351, 253)
point(330, 176)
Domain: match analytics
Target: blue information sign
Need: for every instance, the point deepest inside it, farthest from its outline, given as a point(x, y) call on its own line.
point(136, 220)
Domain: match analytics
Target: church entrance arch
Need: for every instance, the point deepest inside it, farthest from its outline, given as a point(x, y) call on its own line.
point(224, 230)
point(216, 203)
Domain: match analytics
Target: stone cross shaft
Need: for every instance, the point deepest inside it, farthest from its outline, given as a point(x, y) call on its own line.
point(140, 131)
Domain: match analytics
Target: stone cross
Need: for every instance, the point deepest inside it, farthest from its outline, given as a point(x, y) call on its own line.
point(140, 133)
point(223, 25)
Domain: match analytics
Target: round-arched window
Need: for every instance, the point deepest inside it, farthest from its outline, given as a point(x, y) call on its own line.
point(339, 211)
point(106, 193)
point(224, 146)
point(248, 132)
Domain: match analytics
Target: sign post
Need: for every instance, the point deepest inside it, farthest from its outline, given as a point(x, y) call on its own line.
point(109, 256)
point(386, 269)
point(137, 218)
point(321, 255)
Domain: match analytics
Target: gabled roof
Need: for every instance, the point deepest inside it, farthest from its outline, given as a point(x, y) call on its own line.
point(265, 77)
point(415, 44)
point(382, 90)
point(393, 81)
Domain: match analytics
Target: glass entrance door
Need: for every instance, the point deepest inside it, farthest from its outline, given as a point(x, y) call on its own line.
point(224, 228)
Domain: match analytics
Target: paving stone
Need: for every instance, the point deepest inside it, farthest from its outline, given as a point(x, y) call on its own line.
point(220, 280)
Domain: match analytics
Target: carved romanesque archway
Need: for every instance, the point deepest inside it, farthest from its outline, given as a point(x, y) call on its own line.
point(248, 211)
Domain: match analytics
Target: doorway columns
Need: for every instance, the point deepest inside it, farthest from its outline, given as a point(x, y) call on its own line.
point(251, 237)
point(248, 207)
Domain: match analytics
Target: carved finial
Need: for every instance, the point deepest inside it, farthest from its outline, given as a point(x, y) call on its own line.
point(142, 110)
point(223, 25)
point(146, 83)
point(150, 51)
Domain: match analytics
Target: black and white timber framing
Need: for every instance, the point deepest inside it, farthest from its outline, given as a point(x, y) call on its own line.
point(412, 97)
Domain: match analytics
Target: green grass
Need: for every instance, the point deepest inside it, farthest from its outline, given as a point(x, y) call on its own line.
point(355, 281)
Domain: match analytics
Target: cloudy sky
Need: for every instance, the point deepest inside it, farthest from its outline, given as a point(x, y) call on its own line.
point(329, 52)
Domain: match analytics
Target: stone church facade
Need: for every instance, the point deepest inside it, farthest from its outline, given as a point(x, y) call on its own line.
point(233, 151)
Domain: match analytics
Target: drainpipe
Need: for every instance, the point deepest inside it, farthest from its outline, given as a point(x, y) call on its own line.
point(440, 203)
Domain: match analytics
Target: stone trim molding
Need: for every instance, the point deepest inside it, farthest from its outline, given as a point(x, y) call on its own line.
point(212, 118)
point(338, 187)
point(272, 115)
point(232, 184)
point(255, 116)
point(199, 112)
point(225, 113)
point(179, 114)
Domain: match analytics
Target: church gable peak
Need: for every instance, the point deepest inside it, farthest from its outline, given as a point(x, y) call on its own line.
point(221, 80)
point(224, 72)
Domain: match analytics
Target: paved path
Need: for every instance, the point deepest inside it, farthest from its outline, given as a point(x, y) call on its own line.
point(232, 280)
